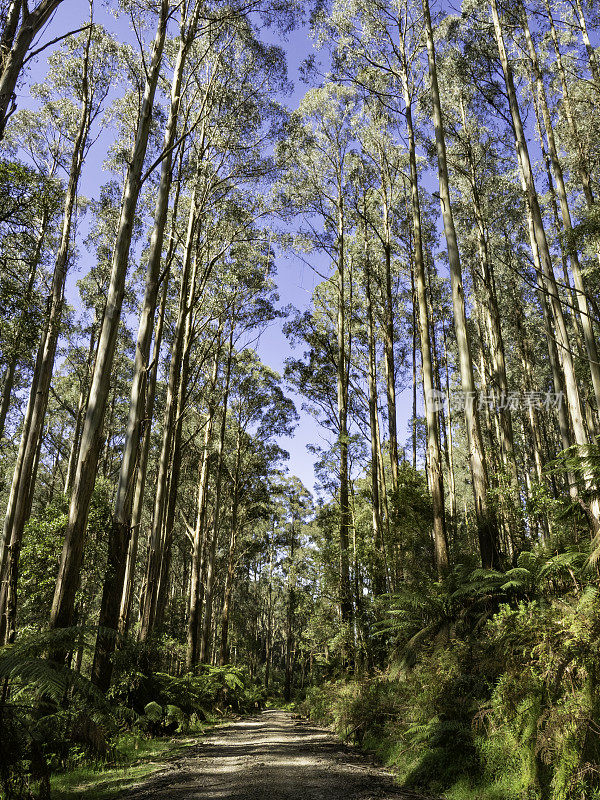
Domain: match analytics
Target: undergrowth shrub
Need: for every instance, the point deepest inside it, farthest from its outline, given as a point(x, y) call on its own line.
point(493, 694)
point(50, 715)
point(53, 719)
point(184, 700)
point(547, 700)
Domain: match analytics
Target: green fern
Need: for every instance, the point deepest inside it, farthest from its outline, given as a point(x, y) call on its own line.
point(26, 666)
point(49, 711)
point(461, 603)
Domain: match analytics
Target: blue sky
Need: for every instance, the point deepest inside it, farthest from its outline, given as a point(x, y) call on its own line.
point(295, 279)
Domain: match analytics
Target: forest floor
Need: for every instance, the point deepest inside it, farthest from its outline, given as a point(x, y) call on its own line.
point(272, 756)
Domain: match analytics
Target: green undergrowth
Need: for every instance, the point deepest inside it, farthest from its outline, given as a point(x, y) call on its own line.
point(276, 704)
point(59, 732)
point(505, 706)
point(455, 753)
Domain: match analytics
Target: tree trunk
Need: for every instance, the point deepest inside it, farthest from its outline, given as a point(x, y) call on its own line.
point(342, 402)
point(486, 522)
point(227, 593)
point(434, 460)
point(200, 529)
point(9, 378)
point(591, 53)
point(212, 553)
point(81, 409)
point(121, 528)
point(269, 635)
point(7, 390)
point(450, 442)
point(72, 554)
point(289, 620)
point(492, 319)
point(378, 567)
point(390, 568)
point(20, 40)
point(532, 412)
point(140, 478)
point(26, 468)
point(7, 561)
point(228, 590)
point(9, 31)
point(561, 190)
point(415, 334)
point(571, 387)
point(153, 566)
point(553, 357)
point(582, 167)
point(388, 339)
point(175, 458)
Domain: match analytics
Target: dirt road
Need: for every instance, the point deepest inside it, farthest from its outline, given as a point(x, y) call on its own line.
point(270, 757)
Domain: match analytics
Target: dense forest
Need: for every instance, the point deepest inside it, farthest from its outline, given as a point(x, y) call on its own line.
point(435, 596)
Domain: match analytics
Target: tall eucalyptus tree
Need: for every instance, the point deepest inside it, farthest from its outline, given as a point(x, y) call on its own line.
point(83, 68)
point(316, 158)
point(72, 553)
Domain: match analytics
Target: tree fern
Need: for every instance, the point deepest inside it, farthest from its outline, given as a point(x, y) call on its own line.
point(462, 602)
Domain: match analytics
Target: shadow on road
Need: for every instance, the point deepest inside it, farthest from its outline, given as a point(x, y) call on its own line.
point(270, 757)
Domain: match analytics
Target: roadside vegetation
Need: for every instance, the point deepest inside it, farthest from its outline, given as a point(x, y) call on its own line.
point(491, 693)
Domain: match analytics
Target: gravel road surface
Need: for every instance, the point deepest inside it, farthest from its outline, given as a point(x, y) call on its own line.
point(272, 756)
